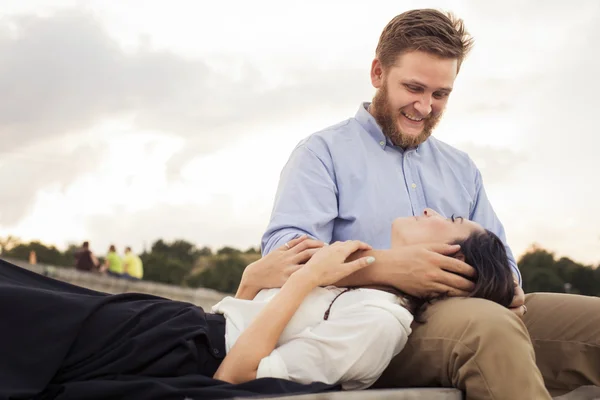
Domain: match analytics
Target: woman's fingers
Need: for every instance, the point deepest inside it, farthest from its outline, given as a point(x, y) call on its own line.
point(293, 242)
point(350, 246)
point(304, 256)
point(307, 244)
point(353, 266)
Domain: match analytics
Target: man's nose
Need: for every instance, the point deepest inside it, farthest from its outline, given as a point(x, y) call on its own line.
point(424, 106)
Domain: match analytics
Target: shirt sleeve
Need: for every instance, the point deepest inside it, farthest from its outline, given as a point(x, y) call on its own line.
point(305, 201)
point(484, 214)
point(346, 349)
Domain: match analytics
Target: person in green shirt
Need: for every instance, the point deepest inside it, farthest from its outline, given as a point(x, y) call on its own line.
point(113, 265)
point(132, 265)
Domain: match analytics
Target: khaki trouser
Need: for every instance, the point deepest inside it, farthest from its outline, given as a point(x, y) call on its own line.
point(488, 352)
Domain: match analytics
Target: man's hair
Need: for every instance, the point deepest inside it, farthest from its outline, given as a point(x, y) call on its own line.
point(112, 248)
point(428, 30)
point(86, 244)
point(486, 253)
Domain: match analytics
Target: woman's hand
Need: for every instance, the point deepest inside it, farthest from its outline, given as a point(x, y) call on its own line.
point(274, 269)
point(328, 265)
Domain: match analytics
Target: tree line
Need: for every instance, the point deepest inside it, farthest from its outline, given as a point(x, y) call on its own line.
point(180, 262)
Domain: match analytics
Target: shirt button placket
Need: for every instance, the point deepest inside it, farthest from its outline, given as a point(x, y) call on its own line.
point(408, 176)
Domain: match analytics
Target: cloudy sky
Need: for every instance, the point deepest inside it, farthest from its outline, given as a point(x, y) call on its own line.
point(123, 124)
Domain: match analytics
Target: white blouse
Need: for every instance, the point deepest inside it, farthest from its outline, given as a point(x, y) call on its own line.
point(365, 329)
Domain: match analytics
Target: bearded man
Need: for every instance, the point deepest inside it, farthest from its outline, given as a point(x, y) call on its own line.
point(351, 180)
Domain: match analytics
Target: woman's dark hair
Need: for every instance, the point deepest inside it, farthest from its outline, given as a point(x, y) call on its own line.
point(486, 253)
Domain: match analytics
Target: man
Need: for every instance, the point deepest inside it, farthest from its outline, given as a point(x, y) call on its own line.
point(351, 180)
point(85, 260)
point(132, 266)
point(113, 264)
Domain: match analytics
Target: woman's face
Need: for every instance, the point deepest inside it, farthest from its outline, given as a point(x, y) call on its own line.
point(431, 227)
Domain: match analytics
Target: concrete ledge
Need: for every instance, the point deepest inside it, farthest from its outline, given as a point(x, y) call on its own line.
point(202, 297)
point(380, 394)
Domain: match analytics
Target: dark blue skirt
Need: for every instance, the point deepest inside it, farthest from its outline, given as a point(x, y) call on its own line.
point(60, 341)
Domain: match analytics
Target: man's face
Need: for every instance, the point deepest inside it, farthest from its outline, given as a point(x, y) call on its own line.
point(412, 95)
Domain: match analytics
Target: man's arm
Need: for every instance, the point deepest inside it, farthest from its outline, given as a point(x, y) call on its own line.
point(305, 202)
point(483, 213)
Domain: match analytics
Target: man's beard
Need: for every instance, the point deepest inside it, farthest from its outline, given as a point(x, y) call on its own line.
point(387, 120)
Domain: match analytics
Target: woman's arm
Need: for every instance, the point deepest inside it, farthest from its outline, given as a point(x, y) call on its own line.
point(260, 338)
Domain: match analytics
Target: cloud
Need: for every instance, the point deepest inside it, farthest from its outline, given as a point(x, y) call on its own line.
point(23, 174)
point(214, 224)
point(64, 73)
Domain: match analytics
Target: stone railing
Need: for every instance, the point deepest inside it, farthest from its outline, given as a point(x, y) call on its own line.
point(202, 297)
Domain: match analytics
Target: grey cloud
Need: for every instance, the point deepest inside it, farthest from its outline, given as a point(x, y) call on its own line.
point(23, 174)
point(308, 90)
point(64, 73)
point(209, 225)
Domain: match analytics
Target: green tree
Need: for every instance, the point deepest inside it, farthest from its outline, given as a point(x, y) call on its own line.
point(163, 269)
point(228, 251)
point(7, 243)
point(223, 275)
point(45, 254)
point(169, 262)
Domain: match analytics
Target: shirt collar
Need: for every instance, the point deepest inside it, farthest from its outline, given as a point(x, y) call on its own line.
point(368, 122)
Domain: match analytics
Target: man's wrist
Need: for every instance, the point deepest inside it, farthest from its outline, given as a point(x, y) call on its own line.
point(379, 270)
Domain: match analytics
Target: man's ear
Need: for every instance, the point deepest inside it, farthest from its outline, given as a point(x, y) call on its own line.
point(376, 74)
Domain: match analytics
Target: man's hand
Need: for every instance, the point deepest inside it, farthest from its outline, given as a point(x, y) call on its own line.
point(518, 304)
point(424, 270)
point(429, 270)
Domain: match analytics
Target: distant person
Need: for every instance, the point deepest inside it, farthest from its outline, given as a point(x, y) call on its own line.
point(32, 257)
point(132, 265)
point(113, 265)
point(85, 260)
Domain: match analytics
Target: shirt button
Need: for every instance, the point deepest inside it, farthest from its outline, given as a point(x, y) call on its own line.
point(382, 142)
point(215, 351)
point(414, 185)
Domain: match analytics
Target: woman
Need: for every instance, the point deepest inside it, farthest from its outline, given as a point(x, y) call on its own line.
point(336, 324)
point(60, 341)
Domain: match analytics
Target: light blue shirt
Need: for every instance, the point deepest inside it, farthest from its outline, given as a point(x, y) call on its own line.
point(349, 182)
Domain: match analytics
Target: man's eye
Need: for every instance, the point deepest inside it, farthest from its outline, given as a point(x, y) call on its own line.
point(440, 95)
